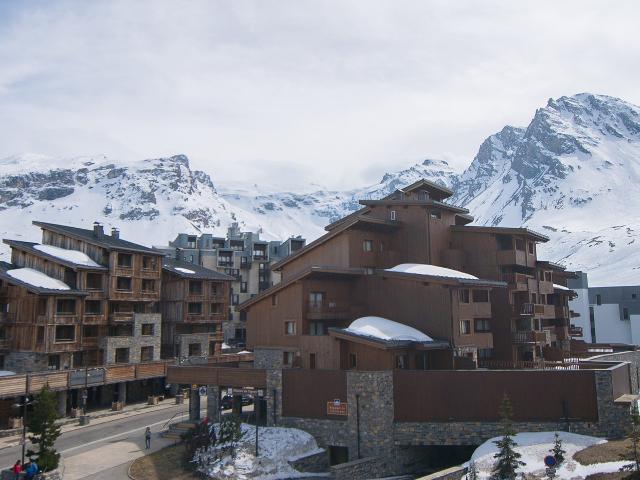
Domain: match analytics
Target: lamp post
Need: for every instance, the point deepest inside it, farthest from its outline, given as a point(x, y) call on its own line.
point(24, 405)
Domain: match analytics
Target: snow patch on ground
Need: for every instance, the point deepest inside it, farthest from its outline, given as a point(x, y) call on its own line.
point(73, 256)
point(37, 279)
point(276, 447)
point(385, 329)
point(534, 446)
point(432, 270)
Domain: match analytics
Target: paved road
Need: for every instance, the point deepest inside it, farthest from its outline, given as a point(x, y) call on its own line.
point(88, 438)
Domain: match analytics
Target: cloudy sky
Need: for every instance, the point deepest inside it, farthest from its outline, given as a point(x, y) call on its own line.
point(298, 91)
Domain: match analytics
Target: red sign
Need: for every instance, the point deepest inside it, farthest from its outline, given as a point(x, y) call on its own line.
point(337, 408)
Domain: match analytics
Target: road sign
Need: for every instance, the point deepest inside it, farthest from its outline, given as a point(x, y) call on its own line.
point(202, 390)
point(550, 461)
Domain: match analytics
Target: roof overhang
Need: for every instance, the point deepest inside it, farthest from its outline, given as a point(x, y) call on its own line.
point(344, 334)
point(28, 247)
point(452, 281)
point(39, 290)
point(501, 231)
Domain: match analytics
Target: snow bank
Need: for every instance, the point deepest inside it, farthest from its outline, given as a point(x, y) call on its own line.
point(73, 256)
point(385, 329)
point(560, 287)
point(534, 446)
point(432, 270)
point(185, 270)
point(37, 279)
point(276, 447)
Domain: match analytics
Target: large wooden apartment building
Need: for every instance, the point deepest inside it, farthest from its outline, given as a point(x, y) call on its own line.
point(477, 293)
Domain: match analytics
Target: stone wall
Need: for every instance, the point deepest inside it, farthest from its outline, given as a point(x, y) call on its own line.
point(634, 363)
point(268, 358)
point(362, 469)
point(26, 362)
point(314, 463)
point(185, 339)
point(137, 341)
point(453, 473)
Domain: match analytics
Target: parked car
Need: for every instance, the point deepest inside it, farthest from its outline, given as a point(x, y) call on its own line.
point(227, 401)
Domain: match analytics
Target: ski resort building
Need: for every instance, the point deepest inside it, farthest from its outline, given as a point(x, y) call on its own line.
point(242, 255)
point(393, 338)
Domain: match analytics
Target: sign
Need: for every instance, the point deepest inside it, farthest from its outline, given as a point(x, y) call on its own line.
point(202, 390)
point(336, 407)
point(261, 393)
point(242, 391)
point(550, 461)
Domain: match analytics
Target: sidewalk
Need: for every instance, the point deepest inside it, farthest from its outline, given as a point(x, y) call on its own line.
point(98, 417)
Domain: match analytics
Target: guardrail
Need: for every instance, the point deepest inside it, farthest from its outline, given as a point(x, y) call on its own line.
point(15, 385)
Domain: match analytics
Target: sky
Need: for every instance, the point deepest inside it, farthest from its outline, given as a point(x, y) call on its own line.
point(292, 92)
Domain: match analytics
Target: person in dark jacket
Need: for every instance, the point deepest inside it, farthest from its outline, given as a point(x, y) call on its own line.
point(147, 438)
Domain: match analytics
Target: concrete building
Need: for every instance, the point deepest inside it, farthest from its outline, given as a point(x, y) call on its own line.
point(607, 314)
point(241, 255)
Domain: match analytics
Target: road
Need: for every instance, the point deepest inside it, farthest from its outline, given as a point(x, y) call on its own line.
point(88, 438)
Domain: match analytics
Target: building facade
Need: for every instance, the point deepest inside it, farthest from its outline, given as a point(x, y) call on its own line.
point(607, 314)
point(241, 255)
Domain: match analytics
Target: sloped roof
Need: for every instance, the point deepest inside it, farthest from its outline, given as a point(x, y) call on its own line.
point(48, 253)
point(189, 270)
point(501, 230)
point(21, 278)
point(105, 240)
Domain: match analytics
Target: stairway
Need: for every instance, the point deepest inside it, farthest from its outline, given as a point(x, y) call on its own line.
point(177, 429)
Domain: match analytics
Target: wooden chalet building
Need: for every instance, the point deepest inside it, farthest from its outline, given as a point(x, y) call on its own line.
point(195, 302)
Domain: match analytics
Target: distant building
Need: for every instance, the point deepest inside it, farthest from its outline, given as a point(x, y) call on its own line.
point(242, 255)
point(607, 314)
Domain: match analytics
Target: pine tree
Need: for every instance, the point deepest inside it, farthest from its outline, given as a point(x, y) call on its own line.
point(43, 429)
point(634, 453)
point(472, 472)
point(230, 432)
point(557, 450)
point(508, 459)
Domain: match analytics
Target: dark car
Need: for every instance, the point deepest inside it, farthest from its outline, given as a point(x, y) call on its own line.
point(227, 401)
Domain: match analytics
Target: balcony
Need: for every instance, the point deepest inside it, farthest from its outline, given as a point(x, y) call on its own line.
point(575, 331)
point(121, 317)
point(562, 311)
point(511, 257)
point(223, 262)
point(476, 339)
point(518, 282)
point(545, 287)
point(328, 311)
point(475, 310)
point(8, 317)
point(4, 344)
point(531, 336)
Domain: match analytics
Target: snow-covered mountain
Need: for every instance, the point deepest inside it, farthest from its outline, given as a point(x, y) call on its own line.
point(571, 174)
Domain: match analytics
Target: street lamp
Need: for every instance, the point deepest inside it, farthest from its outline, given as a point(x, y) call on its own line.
point(24, 406)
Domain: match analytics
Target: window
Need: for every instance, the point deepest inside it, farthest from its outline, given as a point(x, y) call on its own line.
point(243, 287)
point(482, 325)
point(402, 361)
point(93, 307)
point(214, 290)
point(465, 327)
point(625, 313)
point(65, 333)
point(598, 299)
point(195, 287)
point(353, 360)
point(367, 245)
point(289, 328)
point(464, 295)
point(240, 333)
point(531, 248)
point(147, 329)
point(504, 242)
point(422, 361)
point(392, 215)
point(485, 353)
point(148, 263)
point(215, 308)
point(287, 358)
point(89, 331)
point(312, 361)
point(146, 354)
point(212, 347)
point(547, 276)
point(592, 324)
point(436, 214)
point(480, 296)
point(316, 328)
point(148, 285)
point(54, 362)
point(125, 260)
point(194, 308)
point(94, 281)
point(123, 283)
point(65, 306)
point(316, 299)
point(42, 306)
point(122, 355)
point(235, 299)
point(121, 330)
point(520, 244)
point(633, 296)
point(40, 336)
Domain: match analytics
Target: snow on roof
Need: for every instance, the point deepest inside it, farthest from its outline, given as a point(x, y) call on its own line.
point(225, 346)
point(37, 279)
point(560, 287)
point(384, 329)
point(73, 256)
point(184, 270)
point(432, 270)
point(6, 373)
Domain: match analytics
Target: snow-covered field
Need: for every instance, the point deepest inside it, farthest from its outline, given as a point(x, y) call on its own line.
point(276, 447)
point(534, 446)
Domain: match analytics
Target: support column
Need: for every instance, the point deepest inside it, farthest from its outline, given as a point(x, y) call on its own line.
point(213, 403)
point(122, 392)
point(194, 404)
point(62, 403)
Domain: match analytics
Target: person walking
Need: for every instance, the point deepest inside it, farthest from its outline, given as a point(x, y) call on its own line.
point(147, 438)
point(17, 469)
point(32, 470)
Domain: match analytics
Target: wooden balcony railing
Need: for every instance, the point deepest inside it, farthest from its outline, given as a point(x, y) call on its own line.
point(328, 310)
point(517, 281)
point(531, 336)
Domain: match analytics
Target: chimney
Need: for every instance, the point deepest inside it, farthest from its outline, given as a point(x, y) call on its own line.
point(98, 231)
point(115, 233)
